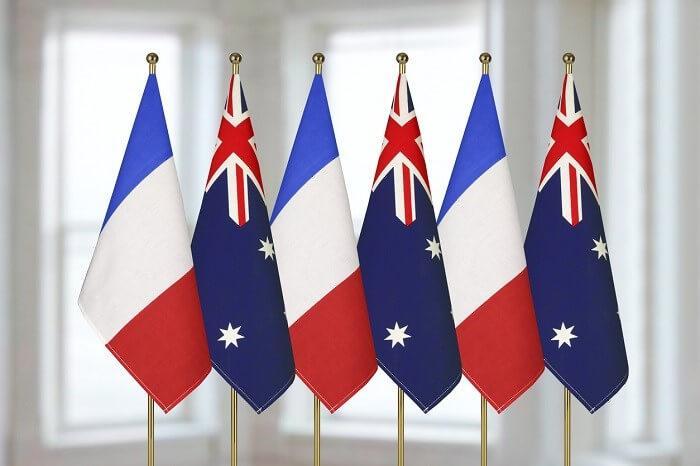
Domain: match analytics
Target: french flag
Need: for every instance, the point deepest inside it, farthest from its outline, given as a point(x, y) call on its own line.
point(318, 264)
point(485, 263)
point(140, 292)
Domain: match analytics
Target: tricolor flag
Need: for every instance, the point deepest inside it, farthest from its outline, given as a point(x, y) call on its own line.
point(140, 292)
point(401, 261)
point(485, 263)
point(236, 268)
point(570, 275)
point(318, 263)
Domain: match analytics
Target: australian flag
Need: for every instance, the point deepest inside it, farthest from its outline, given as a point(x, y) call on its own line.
point(402, 269)
point(569, 265)
point(234, 260)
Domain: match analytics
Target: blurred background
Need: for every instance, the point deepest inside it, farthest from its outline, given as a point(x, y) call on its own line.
point(71, 76)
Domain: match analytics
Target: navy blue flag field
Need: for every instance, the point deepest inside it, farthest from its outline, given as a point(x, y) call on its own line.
point(569, 265)
point(235, 265)
point(402, 270)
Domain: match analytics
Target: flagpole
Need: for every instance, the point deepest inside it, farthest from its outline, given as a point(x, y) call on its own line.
point(318, 59)
point(152, 59)
point(317, 431)
point(568, 60)
point(567, 427)
point(400, 427)
point(151, 433)
point(485, 59)
point(484, 432)
point(401, 59)
point(234, 427)
point(235, 59)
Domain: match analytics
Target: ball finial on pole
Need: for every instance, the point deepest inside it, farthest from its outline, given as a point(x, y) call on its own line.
point(152, 59)
point(485, 59)
point(402, 59)
point(235, 58)
point(569, 59)
point(318, 59)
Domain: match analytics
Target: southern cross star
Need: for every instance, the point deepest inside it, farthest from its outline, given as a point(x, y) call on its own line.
point(230, 336)
point(268, 248)
point(397, 335)
point(434, 248)
point(564, 335)
point(600, 247)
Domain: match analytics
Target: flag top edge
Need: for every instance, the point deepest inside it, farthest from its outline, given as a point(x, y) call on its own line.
point(481, 147)
point(314, 146)
point(148, 146)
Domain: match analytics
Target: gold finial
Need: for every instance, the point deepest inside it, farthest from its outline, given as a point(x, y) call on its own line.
point(318, 59)
point(235, 58)
point(402, 59)
point(569, 60)
point(485, 59)
point(152, 59)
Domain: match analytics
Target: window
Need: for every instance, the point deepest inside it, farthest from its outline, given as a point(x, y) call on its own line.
point(87, 397)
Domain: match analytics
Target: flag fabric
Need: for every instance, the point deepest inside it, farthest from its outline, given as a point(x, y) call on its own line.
point(485, 263)
point(401, 262)
point(140, 292)
point(236, 268)
point(317, 259)
point(570, 275)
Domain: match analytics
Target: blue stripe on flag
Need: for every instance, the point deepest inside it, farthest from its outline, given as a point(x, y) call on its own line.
point(148, 147)
point(314, 146)
point(482, 146)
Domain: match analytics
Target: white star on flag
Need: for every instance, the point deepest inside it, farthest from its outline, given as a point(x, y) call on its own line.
point(601, 248)
point(564, 335)
point(268, 248)
point(434, 248)
point(230, 335)
point(397, 335)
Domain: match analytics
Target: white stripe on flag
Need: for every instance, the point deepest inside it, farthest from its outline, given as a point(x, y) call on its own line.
point(142, 250)
point(481, 240)
point(314, 241)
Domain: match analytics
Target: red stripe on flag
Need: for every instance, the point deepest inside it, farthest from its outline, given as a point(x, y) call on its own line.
point(407, 191)
point(562, 105)
point(573, 192)
point(397, 99)
point(332, 343)
point(165, 347)
point(240, 189)
point(499, 344)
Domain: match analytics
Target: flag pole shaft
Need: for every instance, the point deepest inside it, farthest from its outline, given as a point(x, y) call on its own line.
point(400, 427)
point(151, 434)
point(234, 427)
point(484, 432)
point(567, 427)
point(317, 431)
point(485, 59)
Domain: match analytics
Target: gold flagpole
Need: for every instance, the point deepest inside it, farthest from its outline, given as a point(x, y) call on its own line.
point(402, 59)
point(569, 60)
point(485, 59)
point(152, 59)
point(400, 427)
point(484, 432)
point(317, 431)
point(567, 427)
point(234, 427)
point(318, 60)
point(235, 59)
point(151, 433)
